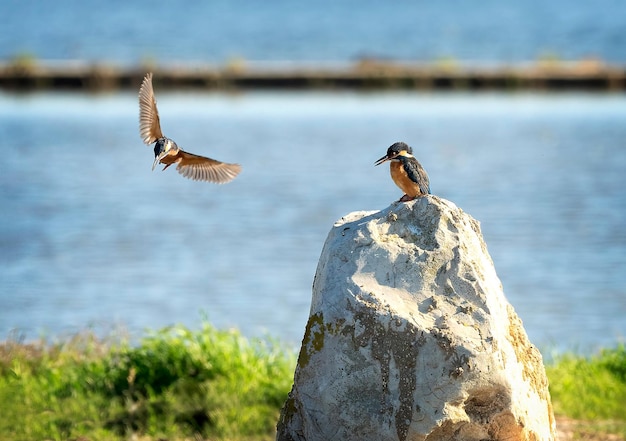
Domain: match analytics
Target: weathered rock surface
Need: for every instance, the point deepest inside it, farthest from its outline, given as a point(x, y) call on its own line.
point(410, 337)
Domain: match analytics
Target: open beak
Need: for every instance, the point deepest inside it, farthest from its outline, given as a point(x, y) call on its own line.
point(381, 160)
point(158, 158)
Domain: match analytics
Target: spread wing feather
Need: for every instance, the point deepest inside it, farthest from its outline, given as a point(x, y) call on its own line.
point(149, 125)
point(200, 168)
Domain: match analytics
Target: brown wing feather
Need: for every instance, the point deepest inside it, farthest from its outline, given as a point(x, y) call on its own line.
point(201, 168)
point(149, 125)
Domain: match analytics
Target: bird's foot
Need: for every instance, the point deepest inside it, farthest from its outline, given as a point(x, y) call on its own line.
point(406, 198)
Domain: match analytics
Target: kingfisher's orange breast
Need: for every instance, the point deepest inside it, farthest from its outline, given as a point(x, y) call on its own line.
point(171, 157)
point(402, 180)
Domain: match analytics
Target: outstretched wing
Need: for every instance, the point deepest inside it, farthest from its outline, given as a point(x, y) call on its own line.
point(149, 125)
point(200, 168)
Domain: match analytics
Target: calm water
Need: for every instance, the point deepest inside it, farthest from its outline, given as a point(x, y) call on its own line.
point(89, 236)
point(220, 30)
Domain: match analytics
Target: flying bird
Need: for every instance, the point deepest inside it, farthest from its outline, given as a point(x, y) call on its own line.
point(196, 167)
point(406, 171)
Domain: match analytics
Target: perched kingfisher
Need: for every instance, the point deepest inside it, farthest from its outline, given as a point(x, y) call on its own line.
point(406, 171)
point(196, 167)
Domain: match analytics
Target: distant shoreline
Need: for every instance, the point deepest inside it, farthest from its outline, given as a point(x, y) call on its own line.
point(549, 75)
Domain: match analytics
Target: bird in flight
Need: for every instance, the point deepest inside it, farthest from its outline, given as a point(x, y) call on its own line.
point(196, 167)
point(406, 171)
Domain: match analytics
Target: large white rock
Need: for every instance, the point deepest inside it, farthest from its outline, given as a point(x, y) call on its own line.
point(410, 337)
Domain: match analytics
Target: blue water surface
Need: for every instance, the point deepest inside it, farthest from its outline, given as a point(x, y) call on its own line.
point(89, 236)
point(220, 31)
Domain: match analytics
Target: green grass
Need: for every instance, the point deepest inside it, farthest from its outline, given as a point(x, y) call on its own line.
point(178, 384)
point(591, 388)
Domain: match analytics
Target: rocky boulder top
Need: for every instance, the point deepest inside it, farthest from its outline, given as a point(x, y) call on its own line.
point(410, 337)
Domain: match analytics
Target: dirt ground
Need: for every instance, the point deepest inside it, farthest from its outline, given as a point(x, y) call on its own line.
point(574, 430)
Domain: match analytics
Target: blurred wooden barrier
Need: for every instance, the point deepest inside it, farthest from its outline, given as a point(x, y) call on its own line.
point(365, 75)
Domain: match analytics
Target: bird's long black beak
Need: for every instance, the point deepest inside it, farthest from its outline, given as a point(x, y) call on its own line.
point(383, 159)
